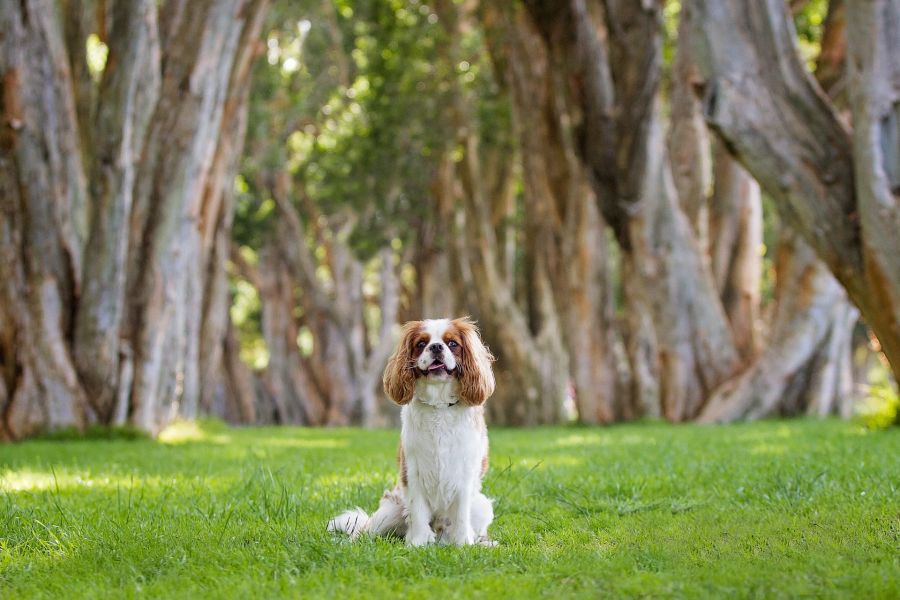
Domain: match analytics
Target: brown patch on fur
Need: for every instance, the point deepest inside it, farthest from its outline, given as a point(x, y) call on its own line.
point(476, 379)
point(481, 427)
point(400, 374)
point(401, 463)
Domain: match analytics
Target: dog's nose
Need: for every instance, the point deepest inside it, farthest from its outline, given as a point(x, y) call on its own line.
point(436, 348)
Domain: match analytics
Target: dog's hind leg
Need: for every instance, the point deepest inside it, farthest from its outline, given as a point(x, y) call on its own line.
point(482, 515)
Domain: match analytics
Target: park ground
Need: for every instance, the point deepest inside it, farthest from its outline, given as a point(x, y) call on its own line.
point(772, 509)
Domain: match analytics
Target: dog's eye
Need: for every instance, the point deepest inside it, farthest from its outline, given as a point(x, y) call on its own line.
point(452, 344)
point(421, 344)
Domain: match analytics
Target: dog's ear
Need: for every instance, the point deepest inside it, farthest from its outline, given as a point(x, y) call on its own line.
point(400, 374)
point(476, 378)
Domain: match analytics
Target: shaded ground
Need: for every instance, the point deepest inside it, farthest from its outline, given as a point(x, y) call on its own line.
point(775, 509)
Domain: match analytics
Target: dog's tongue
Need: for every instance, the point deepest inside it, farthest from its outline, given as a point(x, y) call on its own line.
point(435, 366)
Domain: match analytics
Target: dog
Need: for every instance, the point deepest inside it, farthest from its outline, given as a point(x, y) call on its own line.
point(441, 375)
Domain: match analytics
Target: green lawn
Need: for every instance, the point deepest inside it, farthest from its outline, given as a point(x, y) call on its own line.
point(775, 509)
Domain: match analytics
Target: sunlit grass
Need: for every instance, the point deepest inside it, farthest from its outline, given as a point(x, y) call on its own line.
point(763, 510)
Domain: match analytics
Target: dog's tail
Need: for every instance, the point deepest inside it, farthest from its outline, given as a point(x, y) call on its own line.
point(389, 519)
point(352, 522)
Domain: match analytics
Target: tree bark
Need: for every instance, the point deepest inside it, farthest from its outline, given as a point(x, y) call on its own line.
point(43, 195)
point(563, 232)
point(736, 237)
point(103, 285)
point(832, 187)
point(535, 366)
point(831, 64)
point(532, 363)
point(818, 379)
point(165, 277)
point(810, 303)
point(216, 216)
point(688, 145)
point(336, 382)
point(873, 33)
point(128, 93)
point(611, 57)
point(349, 362)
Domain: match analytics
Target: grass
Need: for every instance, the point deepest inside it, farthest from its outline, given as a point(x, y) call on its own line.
point(774, 509)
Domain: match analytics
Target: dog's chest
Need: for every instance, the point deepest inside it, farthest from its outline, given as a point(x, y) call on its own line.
point(443, 449)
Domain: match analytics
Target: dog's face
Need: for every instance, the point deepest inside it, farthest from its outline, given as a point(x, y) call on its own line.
point(437, 349)
point(440, 350)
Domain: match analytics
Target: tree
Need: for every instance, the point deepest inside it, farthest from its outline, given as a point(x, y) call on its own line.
point(682, 346)
point(838, 189)
point(566, 244)
point(109, 211)
point(805, 366)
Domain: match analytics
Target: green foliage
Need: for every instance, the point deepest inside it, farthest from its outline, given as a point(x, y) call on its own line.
point(246, 315)
point(351, 99)
point(881, 407)
point(809, 24)
point(253, 215)
point(799, 509)
point(772, 231)
point(96, 53)
point(671, 17)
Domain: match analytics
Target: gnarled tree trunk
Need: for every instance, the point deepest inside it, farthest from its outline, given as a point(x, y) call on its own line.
point(735, 240)
point(103, 283)
point(564, 234)
point(43, 225)
point(611, 57)
point(800, 368)
point(836, 189)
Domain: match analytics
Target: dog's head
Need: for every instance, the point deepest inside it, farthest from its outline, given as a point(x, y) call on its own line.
point(440, 350)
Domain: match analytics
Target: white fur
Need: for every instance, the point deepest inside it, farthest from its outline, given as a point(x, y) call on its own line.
point(351, 522)
point(389, 519)
point(444, 448)
point(444, 443)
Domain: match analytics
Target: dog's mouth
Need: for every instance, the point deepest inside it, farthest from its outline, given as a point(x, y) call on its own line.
point(437, 368)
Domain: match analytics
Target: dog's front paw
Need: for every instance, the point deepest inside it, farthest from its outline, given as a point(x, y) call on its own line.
point(462, 536)
point(420, 538)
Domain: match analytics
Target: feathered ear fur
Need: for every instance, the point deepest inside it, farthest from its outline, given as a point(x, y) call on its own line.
point(400, 375)
point(476, 378)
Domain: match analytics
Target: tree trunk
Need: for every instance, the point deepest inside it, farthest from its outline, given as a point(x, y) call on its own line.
point(337, 380)
point(612, 60)
point(873, 69)
point(564, 234)
point(820, 380)
point(432, 265)
point(233, 393)
point(837, 189)
point(43, 191)
point(811, 317)
point(831, 64)
point(688, 144)
point(532, 363)
point(736, 237)
point(216, 216)
point(103, 285)
point(297, 396)
point(128, 92)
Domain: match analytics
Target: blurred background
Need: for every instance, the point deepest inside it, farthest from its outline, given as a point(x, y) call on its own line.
point(653, 209)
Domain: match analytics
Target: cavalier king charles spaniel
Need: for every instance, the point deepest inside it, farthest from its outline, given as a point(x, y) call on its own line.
point(441, 375)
